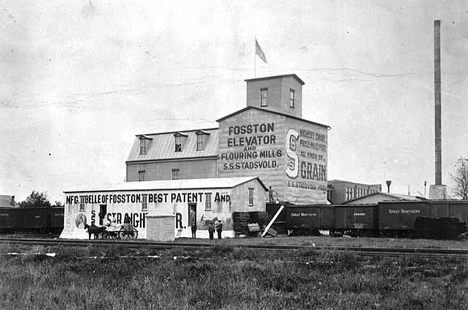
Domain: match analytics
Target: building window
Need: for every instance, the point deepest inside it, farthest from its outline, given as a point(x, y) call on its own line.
point(141, 175)
point(82, 205)
point(251, 197)
point(264, 97)
point(208, 206)
point(178, 144)
point(143, 146)
point(144, 202)
point(292, 95)
point(201, 142)
point(202, 137)
point(145, 143)
point(178, 138)
point(175, 174)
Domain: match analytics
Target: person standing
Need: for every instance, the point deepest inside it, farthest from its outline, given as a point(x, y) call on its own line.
point(193, 223)
point(211, 229)
point(219, 227)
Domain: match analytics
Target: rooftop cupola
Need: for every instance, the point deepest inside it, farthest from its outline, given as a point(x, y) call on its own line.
point(281, 93)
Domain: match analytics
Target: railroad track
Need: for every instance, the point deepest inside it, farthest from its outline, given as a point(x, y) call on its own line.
point(207, 245)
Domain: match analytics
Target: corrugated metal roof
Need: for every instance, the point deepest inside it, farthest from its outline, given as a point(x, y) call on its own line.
point(162, 145)
point(171, 185)
point(386, 197)
point(405, 197)
point(351, 182)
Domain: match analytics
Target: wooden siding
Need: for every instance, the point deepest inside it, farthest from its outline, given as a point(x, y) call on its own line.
point(189, 169)
point(163, 198)
point(271, 159)
point(278, 94)
point(240, 197)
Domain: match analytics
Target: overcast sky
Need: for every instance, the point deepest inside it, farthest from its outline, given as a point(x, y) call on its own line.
point(79, 79)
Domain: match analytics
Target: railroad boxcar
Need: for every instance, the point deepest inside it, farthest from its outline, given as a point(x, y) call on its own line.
point(308, 220)
point(398, 218)
point(439, 209)
point(56, 219)
point(328, 217)
point(450, 208)
point(438, 228)
point(387, 218)
point(35, 218)
point(459, 209)
point(361, 220)
point(32, 219)
point(10, 219)
point(280, 223)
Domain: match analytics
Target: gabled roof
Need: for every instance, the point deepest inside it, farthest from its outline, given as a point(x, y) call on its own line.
point(186, 184)
point(202, 132)
point(144, 137)
point(386, 197)
point(7, 201)
point(273, 112)
point(277, 76)
point(180, 134)
point(162, 145)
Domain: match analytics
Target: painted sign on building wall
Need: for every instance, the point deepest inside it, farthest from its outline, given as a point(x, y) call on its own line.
point(251, 147)
point(133, 207)
point(306, 152)
point(288, 154)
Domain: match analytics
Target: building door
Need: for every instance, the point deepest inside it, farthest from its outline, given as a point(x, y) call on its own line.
point(192, 216)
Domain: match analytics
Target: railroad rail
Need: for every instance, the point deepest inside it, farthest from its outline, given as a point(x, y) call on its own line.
point(266, 247)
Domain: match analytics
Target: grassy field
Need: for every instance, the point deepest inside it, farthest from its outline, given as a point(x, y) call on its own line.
point(225, 277)
point(318, 241)
point(333, 242)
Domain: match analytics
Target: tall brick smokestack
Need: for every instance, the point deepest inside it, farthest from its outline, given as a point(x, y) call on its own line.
point(438, 105)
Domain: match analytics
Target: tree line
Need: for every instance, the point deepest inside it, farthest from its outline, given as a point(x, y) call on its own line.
point(38, 199)
point(460, 178)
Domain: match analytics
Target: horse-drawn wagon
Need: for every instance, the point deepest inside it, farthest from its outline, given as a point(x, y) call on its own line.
point(113, 232)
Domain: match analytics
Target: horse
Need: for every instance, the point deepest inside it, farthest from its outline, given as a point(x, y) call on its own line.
point(95, 230)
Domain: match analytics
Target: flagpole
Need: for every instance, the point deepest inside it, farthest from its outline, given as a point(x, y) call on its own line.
point(255, 62)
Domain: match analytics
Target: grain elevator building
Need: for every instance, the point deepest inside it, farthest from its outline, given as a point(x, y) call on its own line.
point(268, 138)
point(265, 151)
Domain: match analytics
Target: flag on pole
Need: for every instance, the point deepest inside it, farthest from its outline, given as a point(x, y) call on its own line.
point(259, 51)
